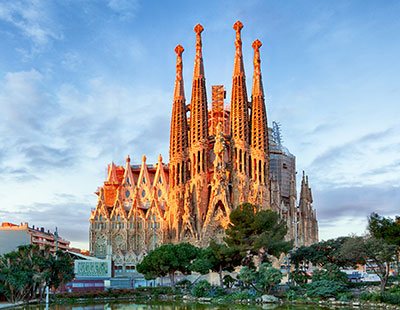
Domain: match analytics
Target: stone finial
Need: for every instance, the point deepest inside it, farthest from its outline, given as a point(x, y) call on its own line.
point(160, 158)
point(128, 159)
point(179, 50)
point(256, 45)
point(238, 26)
point(144, 158)
point(198, 29)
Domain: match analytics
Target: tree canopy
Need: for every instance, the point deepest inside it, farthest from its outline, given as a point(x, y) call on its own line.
point(256, 232)
point(29, 270)
point(373, 252)
point(167, 260)
point(385, 228)
point(323, 253)
point(218, 258)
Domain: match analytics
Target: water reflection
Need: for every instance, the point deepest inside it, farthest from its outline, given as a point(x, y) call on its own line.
point(175, 306)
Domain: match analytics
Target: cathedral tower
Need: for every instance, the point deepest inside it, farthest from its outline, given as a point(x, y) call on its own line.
point(198, 151)
point(239, 120)
point(259, 159)
point(178, 151)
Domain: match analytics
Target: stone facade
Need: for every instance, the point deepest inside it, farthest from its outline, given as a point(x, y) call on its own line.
point(218, 159)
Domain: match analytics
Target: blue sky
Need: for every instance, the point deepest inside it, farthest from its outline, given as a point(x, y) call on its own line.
point(84, 83)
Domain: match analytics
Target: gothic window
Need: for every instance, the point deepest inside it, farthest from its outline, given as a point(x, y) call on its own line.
point(159, 193)
point(143, 193)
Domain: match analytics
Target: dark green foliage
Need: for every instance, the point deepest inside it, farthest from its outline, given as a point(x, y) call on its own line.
point(216, 291)
point(375, 253)
point(262, 280)
point(345, 296)
point(325, 288)
point(387, 229)
point(243, 295)
point(253, 232)
point(384, 228)
point(185, 284)
point(390, 297)
point(330, 273)
point(25, 273)
point(229, 281)
point(323, 253)
point(299, 276)
point(167, 260)
point(201, 289)
point(373, 297)
point(218, 258)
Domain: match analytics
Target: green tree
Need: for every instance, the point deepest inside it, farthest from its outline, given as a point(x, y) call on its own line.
point(27, 271)
point(218, 258)
point(323, 253)
point(263, 279)
point(386, 229)
point(256, 232)
point(375, 253)
point(167, 260)
point(268, 277)
point(330, 272)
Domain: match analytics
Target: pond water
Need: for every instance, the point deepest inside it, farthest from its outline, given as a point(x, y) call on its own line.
point(176, 306)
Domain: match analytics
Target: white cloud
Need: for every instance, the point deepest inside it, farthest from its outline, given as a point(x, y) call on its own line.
point(33, 20)
point(126, 9)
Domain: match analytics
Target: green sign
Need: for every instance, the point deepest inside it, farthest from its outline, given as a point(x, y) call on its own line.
point(92, 269)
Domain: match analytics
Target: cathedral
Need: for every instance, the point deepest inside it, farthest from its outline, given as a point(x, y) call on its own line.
point(219, 157)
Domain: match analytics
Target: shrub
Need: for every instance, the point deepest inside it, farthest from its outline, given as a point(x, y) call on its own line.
point(291, 295)
point(346, 296)
point(330, 273)
point(229, 281)
point(201, 289)
point(374, 297)
point(240, 295)
point(185, 283)
point(300, 277)
point(216, 291)
point(391, 298)
point(325, 288)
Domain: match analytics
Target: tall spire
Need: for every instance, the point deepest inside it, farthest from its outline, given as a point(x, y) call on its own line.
point(179, 92)
point(257, 80)
point(198, 105)
point(259, 128)
point(198, 62)
point(179, 128)
point(239, 103)
point(238, 68)
point(303, 188)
